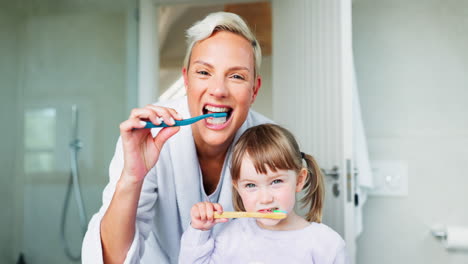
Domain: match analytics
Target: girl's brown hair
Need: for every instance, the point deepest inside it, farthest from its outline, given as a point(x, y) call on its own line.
point(273, 146)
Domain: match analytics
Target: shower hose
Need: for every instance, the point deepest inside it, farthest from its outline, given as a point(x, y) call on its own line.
point(73, 183)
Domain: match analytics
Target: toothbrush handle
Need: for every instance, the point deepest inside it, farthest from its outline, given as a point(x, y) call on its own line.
point(250, 214)
point(177, 122)
point(185, 122)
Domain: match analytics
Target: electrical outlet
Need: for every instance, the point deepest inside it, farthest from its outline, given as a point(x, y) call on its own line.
point(390, 178)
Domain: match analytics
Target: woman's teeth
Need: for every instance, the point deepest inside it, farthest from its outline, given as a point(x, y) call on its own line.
point(215, 109)
point(216, 121)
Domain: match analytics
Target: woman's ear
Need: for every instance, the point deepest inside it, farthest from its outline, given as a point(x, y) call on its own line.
point(257, 85)
point(301, 179)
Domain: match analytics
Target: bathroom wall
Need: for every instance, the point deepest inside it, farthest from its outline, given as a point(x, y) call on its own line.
point(52, 58)
point(412, 63)
point(71, 58)
point(8, 85)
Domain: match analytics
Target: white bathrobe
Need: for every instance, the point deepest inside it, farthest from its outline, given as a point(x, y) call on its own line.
point(169, 191)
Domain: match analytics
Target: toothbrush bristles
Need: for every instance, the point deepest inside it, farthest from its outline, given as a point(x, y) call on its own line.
point(280, 211)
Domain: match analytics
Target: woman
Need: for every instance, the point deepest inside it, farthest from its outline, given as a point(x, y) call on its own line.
point(156, 176)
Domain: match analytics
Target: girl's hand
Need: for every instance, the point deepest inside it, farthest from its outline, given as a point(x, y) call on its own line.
point(141, 150)
point(203, 215)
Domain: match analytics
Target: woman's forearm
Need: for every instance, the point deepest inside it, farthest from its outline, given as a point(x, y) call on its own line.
point(118, 223)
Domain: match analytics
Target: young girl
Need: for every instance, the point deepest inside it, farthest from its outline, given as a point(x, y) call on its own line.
point(267, 173)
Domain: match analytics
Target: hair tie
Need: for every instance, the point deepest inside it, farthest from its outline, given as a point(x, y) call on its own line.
point(302, 155)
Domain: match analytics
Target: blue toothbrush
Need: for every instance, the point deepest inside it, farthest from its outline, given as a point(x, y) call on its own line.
point(185, 121)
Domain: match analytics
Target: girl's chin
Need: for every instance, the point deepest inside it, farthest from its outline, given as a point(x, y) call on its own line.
point(267, 223)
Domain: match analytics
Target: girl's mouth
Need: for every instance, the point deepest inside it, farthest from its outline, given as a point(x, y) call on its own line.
point(269, 210)
point(216, 109)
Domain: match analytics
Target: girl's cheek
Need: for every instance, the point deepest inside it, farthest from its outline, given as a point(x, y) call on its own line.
point(287, 198)
point(249, 202)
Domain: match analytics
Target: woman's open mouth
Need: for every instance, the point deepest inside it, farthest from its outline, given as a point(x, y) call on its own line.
point(216, 109)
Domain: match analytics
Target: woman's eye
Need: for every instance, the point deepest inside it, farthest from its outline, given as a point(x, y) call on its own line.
point(250, 185)
point(237, 76)
point(276, 181)
point(202, 72)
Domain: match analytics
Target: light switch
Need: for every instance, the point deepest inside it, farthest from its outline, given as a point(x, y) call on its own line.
point(390, 178)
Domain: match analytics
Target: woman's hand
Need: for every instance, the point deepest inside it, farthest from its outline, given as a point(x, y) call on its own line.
point(141, 150)
point(203, 215)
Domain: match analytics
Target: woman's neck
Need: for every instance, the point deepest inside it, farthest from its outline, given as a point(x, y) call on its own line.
point(211, 160)
point(206, 151)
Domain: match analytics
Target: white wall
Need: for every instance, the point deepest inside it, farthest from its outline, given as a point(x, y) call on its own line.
point(56, 59)
point(412, 64)
point(263, 103)
point(8, 85)
point(71, 58)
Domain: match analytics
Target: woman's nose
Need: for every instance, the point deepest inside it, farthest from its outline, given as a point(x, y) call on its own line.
point(218, 88)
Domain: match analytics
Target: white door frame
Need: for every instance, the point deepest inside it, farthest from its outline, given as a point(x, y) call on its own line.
point(148, 53)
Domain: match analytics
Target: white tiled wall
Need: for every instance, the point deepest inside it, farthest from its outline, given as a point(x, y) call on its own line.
point(43, 204)
point(8, 123)
point(411, 61)
point(54, 60)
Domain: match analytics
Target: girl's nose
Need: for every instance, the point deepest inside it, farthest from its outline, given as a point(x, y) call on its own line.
point(218, 88)
point(265, 196)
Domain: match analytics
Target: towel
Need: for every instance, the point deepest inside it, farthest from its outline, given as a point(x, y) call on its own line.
point(363, 179)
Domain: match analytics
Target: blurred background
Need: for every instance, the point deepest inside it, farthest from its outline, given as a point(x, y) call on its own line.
point(70, 71)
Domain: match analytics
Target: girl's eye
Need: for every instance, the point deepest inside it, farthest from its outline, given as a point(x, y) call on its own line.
point(276, 181)
point(250, 185)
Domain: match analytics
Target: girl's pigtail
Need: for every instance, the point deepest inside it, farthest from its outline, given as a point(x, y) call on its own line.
point(314, 190)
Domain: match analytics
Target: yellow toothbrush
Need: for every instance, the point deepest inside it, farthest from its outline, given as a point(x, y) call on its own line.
point(276, 214)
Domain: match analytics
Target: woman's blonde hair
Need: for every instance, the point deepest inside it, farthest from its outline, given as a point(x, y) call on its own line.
point(273, 146)
point(222, 21)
